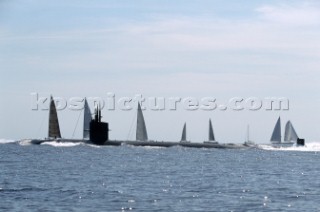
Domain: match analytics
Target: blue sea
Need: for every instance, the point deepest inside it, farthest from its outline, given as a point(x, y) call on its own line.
point(81, 177)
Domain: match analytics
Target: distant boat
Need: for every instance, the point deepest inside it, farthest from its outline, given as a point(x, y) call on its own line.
point(290, 137)
point(141, 132)
point(211, 138)
point(248, 142)
point(184, 134)
point(54, 133)
point(290, 134)
point(276, 134)
point(86, 120)
point(53, 129)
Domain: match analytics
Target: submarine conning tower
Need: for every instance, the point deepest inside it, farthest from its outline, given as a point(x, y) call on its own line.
point(99, 131)
point(300, 142)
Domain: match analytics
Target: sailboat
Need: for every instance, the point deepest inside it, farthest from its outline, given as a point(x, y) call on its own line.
point(290, 134)
point(53, 129)
point(53, 126)
point(290, 137)
point(248, 142)
point(86, 120)
point(141, 132)
point(211, 138)
point(184, 134)
point(54, 133)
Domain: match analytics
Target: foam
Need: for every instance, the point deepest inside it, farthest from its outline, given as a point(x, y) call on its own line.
point(309, 147)
point(61, 144)
point(7, 141)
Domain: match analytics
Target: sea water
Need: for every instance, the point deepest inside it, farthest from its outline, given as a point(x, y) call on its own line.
point(79, 177)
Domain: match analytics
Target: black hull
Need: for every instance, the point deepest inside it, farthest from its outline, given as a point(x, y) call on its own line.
point(99, 132)
point(149, 143)
point(182, 144)
point(300, 142)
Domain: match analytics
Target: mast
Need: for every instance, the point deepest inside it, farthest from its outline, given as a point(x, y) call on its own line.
point(141, 133)
point(211, 134)
point(54, 129)
point(86, 120)
point(248, 128)
point(276, 134)
point(184, 133)
point(99, 113)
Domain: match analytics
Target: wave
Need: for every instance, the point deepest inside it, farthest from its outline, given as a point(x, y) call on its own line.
point(92, 145)
point(28, 189)
point(7, 141)
point(308, 147)
point(61, 144)
point(153, 147)
point(25, 142)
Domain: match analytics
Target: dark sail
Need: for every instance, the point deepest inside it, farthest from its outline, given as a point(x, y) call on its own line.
point(211, 135)
point(54, 129)
point(141, 133)
point(184, 133)
point(276, 135)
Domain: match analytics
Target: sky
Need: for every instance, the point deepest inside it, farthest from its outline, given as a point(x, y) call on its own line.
point(207, 48)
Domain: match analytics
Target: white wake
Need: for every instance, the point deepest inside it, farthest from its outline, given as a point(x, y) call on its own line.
point(25, 142)
point(313, 146)
point(61, 144)
point(7, 141)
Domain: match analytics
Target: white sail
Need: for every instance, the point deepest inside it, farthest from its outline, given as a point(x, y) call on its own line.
point(54, 129)
point(86, 120)
point(211, 134)
point(290, 134)
point(276, 134)
point(184, 133)
point(141, 133)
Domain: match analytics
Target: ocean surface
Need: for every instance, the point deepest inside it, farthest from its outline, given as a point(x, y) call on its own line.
point(81, 177)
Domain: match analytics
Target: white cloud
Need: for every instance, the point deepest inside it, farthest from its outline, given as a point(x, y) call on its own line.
point(299, 15)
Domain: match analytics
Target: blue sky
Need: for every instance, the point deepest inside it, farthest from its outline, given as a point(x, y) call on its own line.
point(161, 48)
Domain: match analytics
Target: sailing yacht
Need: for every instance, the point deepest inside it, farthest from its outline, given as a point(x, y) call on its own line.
point(54, 133)
point(141, 132)
point(290, 135)
point(86, 120)
point(211, 138)
point(53, 126)
point(53, 129)
point(184, 134)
